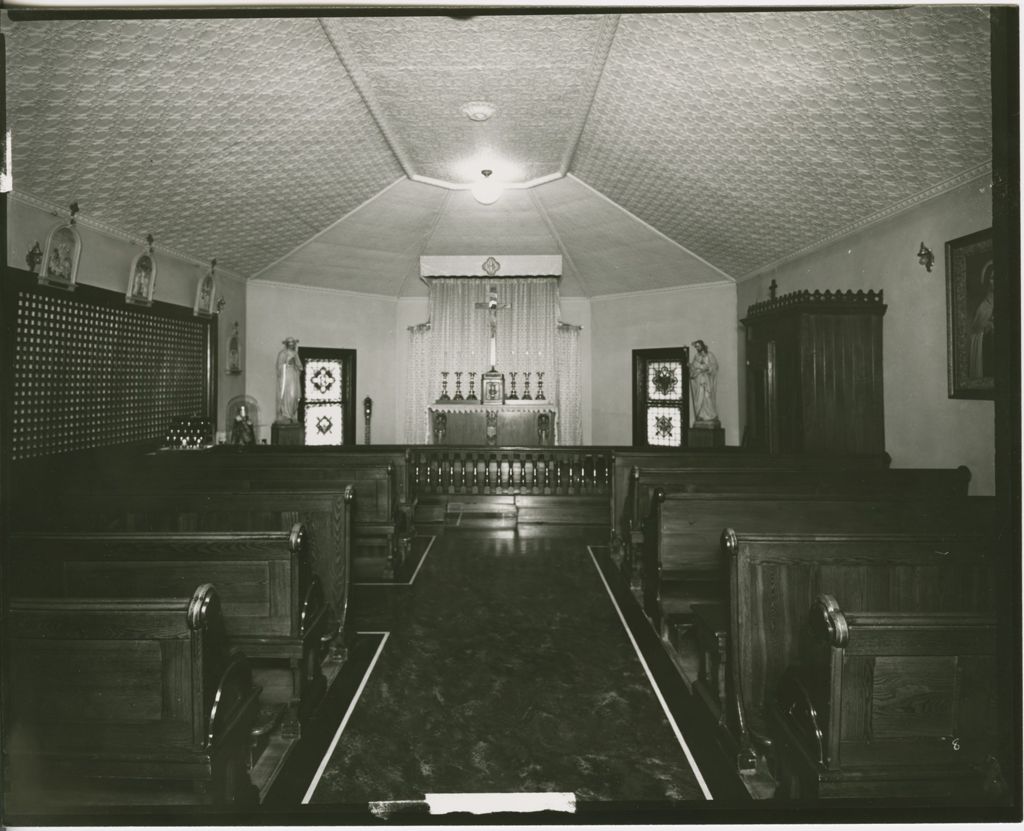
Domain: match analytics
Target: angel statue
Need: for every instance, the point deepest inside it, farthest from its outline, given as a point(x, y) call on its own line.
point(703, 380)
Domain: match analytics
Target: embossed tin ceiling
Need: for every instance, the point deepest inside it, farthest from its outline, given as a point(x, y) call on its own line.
point(733, 138)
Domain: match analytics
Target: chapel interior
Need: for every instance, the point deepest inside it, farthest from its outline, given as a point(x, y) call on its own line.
point(532, 417)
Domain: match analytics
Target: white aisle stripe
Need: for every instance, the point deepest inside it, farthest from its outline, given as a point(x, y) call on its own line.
point(654, 684)
point(348, 714)
point(423, 559)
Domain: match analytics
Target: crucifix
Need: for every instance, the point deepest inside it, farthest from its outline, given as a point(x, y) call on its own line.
point(492, 305)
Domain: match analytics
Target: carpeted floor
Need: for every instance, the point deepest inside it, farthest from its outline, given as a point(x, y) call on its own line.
point(509, 671)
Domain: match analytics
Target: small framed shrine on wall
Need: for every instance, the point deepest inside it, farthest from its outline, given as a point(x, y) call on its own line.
point(206, 289)
point(60, 259)
point(142, 277)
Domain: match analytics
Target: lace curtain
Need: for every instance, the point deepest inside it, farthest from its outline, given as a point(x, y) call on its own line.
point(417, 385)
point(570, 386)
point(529, 339)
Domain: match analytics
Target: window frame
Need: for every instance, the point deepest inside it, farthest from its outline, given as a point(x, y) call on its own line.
point(347, 358)
point(642, 358)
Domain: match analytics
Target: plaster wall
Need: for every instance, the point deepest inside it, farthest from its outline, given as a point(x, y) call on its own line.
point(648, 320)
point(331, 319)
point(923, 426)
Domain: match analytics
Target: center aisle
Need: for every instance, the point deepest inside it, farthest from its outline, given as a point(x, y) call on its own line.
point(510, 671)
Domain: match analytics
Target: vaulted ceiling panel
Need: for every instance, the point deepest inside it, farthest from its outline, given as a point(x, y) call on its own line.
point(746, 137)
point(230, 138)
point(538, 72)
point(376, 249)
point(610, 250)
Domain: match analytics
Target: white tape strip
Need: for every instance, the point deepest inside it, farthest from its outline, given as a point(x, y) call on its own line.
point(490, 803)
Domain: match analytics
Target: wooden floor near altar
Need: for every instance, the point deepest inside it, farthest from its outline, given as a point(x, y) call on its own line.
point(502, 665)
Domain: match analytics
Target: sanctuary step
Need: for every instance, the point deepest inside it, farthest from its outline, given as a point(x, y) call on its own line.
point(481, 515)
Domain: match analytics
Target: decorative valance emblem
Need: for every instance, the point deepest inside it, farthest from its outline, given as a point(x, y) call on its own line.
point(491, 266)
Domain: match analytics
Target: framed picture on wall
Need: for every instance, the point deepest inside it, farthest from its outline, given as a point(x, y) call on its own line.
point(970, 278)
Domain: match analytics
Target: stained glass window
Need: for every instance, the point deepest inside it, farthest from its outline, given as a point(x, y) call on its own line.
point(324, 423)
point(328, 376)
point(664, 426)
point(664, 380)
point(323, 379)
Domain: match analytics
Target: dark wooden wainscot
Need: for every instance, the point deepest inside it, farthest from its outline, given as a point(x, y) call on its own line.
point(889, 704)
point(122, 701)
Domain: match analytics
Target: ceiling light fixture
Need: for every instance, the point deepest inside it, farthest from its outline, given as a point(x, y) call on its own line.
point(477, 110)
point(486, 190)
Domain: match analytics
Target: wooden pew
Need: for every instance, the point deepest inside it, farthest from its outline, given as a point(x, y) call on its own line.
point(273, 605)
point(889, 704)
point(774, 577)
point(681, 562)
point(715, 462)
point(383, 509)
point(325, 516)
point(777, 478)
point(122, 701)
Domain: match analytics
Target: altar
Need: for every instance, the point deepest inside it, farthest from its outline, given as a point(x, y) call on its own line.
point(511, 424)
point(494, 365)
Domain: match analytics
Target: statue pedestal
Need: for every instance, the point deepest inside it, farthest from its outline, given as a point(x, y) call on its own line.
point(286, 434)
point(706, 436)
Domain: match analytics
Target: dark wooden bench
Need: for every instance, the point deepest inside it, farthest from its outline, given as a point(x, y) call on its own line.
point(123, 701)
point(681, 562)
point(273, 605)
point(778, 478)
point(382, 512)
point(774, 577)
point(714, 463)
point(325, 516)
point(889, 704)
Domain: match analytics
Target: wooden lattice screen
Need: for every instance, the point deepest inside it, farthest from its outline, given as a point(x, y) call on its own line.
point(86, 371)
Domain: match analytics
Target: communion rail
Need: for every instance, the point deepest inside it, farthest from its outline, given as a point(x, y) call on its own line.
point(558, 471)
